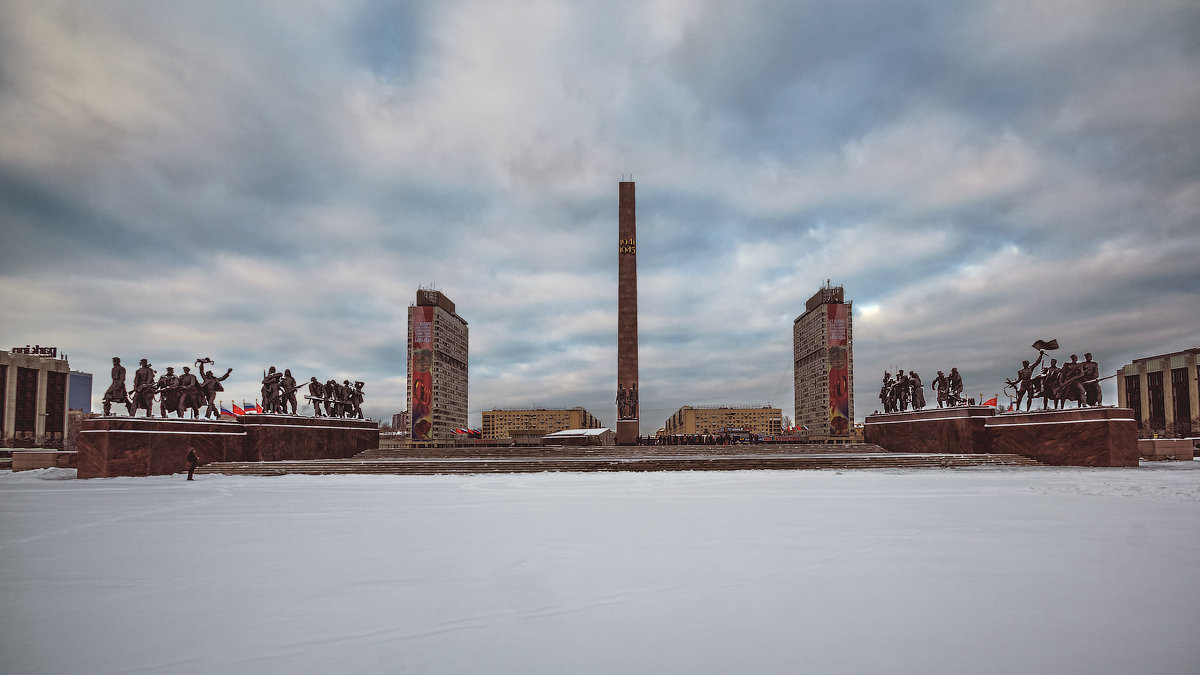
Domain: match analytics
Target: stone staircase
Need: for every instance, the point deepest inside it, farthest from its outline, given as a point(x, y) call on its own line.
point(430, 461)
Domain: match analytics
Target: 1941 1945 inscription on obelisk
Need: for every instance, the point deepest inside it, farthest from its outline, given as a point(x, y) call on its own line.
point(627, 330)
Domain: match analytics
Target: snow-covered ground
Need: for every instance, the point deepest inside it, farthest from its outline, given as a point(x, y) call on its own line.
point(1034, 570)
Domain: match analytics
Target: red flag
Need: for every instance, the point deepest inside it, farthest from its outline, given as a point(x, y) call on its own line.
point(991, 401)
point(237, 410)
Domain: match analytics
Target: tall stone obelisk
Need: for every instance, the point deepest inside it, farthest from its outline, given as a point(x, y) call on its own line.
point(628, 407)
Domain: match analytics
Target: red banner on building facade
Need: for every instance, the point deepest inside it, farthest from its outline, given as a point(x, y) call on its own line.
point(420, 367)
point(839, 371)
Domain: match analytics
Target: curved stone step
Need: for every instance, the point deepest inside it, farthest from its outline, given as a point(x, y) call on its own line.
point(468, 465)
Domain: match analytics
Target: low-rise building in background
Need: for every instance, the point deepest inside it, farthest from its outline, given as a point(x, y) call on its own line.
point(717, 419)
point(33, 397)
point(1163, 393)
point(498, 423)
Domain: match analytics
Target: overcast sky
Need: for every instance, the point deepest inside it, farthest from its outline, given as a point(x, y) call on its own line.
point(269, 183)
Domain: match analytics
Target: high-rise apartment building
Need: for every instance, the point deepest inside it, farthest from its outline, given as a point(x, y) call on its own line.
point(688, 420)
point(437, 368)
point(823, 351)
point(400, 422)
point(497, 423)
point(80, 389)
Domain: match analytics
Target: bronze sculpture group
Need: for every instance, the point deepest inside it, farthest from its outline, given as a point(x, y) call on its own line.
point(627, 402)
point(1076, 380)
point(188, 393)
point(338, 400)
point(176, 394)
point(907, 389)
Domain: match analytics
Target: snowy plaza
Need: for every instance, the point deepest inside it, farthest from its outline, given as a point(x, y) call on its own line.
point(1005, 570)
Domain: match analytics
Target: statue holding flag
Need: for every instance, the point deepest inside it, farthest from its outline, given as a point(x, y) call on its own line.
point(1025, 380)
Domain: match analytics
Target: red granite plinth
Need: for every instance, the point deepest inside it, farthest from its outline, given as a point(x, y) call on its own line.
point(957, 430)
point(1073, 437)
point(148, 446)
point(141, 446)
point(275, 437)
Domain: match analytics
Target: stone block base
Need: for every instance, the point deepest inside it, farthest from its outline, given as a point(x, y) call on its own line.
point(147, 446)
point(958, 430)
point(1074, 437)
point(1158, 449)
point(26, 460)
point(275, 437)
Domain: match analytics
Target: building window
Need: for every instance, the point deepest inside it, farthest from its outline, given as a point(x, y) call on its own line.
point(1181, 401)
point(1157, 410)
point(1133, 397)
point(56, 399)
point(24, 421)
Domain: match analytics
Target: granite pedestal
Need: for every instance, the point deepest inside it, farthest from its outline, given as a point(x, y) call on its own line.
point(1072, 437)
point(958, 430)
point(149, 446)
point(275, 437)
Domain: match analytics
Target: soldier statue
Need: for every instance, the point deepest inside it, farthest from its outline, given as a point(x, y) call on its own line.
point(918, 390)
point(287, 393)
point(270, 390)
point(1050, 377)
point(116, 391)
point(1091, 380)
point(191, 397)
point(358, 387)
point(941, 385)
point(210, 386)
point(903, 383)
point(356, 398)
point(1071, 387)
point(168, 389)
point(143, 389)
point(316, 394)
point(885, 392)
point(1024, 382)
point(333, 406)
point(956, 387)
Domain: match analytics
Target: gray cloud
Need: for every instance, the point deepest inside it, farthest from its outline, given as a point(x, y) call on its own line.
point(269, 184)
